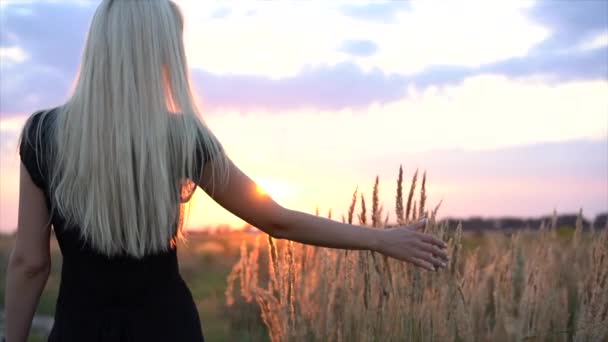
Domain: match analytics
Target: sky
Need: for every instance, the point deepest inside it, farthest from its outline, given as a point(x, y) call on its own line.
point(503, 103)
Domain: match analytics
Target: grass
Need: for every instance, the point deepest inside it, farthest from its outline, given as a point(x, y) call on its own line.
point(546, 285)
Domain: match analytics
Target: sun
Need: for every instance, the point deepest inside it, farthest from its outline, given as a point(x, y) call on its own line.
point(276, 189)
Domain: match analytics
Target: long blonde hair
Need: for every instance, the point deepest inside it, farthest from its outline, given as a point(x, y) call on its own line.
point(128, 142)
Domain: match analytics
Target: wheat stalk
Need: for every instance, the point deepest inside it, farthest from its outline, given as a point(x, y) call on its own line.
point(511, 288)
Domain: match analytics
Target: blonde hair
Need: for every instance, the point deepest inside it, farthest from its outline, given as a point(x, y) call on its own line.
point(130, 140)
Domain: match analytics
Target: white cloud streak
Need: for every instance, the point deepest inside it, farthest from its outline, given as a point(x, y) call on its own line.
point(277, 39)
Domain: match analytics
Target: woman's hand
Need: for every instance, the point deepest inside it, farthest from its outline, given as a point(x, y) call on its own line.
point(407, 244)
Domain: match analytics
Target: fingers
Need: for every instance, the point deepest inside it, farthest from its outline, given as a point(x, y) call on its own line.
point(422, 264)
point(433, 240)
point(428, 257)
point(436, 251)
point(427, 237)
point(418, 225)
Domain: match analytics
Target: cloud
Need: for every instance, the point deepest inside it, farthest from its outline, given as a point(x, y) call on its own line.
point(12, 55)
point(485, 112)
point(45, 41)
point(53, 51)
point(375, 11)
point(441, 76)
point(40, 61)
point(577, 24)
point(359, 48)
point(571, 22)
point(28, 87)
point(51, 33)
point(320, 87)
point(346, 85)
point(593, 43)
point(326, 87)
point(220, 13)
point(564, 67)
point(575, 49)
point(585, 65)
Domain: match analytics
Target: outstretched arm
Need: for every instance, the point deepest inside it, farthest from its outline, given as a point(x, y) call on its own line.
point(242, 198)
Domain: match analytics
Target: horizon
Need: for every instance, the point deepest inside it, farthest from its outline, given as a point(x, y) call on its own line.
point(504, 104)
point(246, 227)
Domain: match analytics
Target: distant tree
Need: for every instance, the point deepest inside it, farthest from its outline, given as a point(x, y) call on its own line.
point(601, 221)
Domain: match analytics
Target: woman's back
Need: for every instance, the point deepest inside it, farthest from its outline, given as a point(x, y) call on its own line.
point(103, 298)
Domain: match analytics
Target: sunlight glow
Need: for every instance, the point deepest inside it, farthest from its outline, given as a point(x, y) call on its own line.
point(276, 189)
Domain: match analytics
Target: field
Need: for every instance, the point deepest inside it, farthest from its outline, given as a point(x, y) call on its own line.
point(204, 264)
point(548, 284)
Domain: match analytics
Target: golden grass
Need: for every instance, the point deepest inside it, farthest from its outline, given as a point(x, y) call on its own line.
point(532, 286)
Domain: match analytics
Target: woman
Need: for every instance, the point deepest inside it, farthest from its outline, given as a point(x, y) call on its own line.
point(111, 171)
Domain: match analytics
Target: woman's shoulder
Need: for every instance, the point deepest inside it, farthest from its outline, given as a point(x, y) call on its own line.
point(37, 121)
point(34, 141)
point(40, 118)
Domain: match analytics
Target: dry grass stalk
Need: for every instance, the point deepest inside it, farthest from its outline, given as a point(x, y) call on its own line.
point(421, 213)
point(376, 210)
point(410, 196)
point(434, 212)
point(414, 212)
point(363, 215)
point(507, 288)
point(399, 198)
point(353, 203)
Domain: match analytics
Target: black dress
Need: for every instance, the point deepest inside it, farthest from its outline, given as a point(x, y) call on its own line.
point(111, 299)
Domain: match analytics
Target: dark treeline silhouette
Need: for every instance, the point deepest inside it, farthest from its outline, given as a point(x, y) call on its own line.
point(515, 223)
point(475, 223)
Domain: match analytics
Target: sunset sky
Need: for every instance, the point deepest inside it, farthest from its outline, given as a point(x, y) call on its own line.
point(503, 103)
